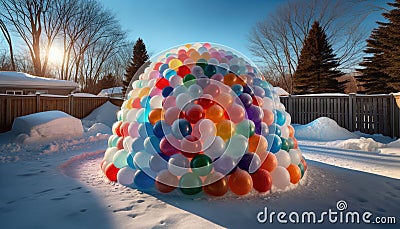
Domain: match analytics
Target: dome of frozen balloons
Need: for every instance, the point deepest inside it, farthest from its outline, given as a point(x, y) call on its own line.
point(201, 118)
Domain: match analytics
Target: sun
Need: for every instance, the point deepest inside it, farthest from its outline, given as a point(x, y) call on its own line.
point(56, 55)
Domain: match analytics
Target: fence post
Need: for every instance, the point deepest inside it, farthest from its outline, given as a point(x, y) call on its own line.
point(352, 111)
point(393, 121)
point(290, 105)
point(71, 104)
point(38, 102)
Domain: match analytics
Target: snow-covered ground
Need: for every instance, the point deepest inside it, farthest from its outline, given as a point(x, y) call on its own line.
point(59, 184)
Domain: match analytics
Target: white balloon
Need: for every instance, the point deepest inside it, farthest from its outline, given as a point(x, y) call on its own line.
point(284, 131)
point(280, 177)
point(109, 154)
point(295, 157)
point(283, 158)
point(156, 101)
point(178, 164)
point(183, 100)
point(175, 81)
point(127, 143)
point(125, 176)
point(214, 146)
point(131, 115)
point(195, 91)
point(141, 159)
point(268, 104)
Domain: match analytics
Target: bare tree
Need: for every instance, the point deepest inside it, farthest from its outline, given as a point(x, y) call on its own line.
point(278, 40)
point(7, 36)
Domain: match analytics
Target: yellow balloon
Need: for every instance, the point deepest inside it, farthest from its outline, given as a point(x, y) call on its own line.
point(174, 64)
point(144, 91)
point(129, 103)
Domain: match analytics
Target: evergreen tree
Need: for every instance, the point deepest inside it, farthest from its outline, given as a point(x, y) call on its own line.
point(382, 65)
point(316, 71)
point(108, 81)
point(139, 58)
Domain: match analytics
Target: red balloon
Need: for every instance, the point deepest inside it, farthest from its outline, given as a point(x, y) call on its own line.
point(161, 83)
point(136, 103)
point(194, 113)
point(190, 146)
point(183, 70)
point(262, 180)
point(167, 148)
point(117, 129)
point(124, 129)
point(205, 102)
point(111, 172)
point(212, 90)
point(157, 65)
point(120, 143)
point(303, 161)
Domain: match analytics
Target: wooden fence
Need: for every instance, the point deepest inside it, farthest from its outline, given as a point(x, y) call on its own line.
point(12, 106)
point(371, 114)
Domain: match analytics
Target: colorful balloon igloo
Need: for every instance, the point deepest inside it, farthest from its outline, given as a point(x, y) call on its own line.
point(202, 118)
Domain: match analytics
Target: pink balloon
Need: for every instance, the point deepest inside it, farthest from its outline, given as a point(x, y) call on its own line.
point(175, 81)
point(133, 129)
point(169, 102)
point(155, 91)
point(154, 74)
point(204, 128)
point(236, 113)
point(171, 115)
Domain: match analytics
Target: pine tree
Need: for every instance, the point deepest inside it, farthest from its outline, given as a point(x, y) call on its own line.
point(381, 72)
point(139, 58)
point(316, 71)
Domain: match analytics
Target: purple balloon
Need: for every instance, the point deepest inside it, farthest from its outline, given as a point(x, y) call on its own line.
point(262, 128)
point(255, 113)
point(246, 100)
point(225, 165)
point(259, 91)
point(218, 77)
point(250, 162)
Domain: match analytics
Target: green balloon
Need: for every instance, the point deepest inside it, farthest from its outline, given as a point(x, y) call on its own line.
point(291, 143)
point(202, 63)
point(189, 80)
point(201, 165)
point(190, 184)
point(246, 128)
point(285, 144)
point(209, 70)
point(301, 166)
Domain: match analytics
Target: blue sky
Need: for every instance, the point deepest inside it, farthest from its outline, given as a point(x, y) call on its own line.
point(164, 24)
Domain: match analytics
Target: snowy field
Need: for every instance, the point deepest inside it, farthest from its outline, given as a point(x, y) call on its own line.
point(58, 183)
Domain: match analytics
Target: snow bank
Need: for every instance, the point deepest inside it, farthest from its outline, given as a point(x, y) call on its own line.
point(46, 126)
point(322, 129)
point(110, 91)
point(20, 78)
point(106, 114)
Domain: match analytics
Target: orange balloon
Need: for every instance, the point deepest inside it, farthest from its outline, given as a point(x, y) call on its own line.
point(155, 116)
point(216, 184)
point(268, 117)
point(205, 55)
point(166, 181)
point(225, 129)
point(230, 79)
point(270, 163)
point(242, 80)
point(215, 113)
point(295, 173)
point(291, 131)
point(296, 144)
point(240, 182)
point(257, 144)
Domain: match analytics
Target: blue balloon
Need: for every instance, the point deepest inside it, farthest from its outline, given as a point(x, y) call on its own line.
point(145, 129)
point(238, 89)
point(181, 128)
point(167, 91)
point(262, 128)
point(152, 145)
point(275, 143)
point(143, 116)
point(274, 129)
point(259, 91)
point(142, 180)
point(163, 67)
point(169, 73)
point(137, 144)
point(280, 117)
point(129, 160)
point(161, 128)
point(145, 101)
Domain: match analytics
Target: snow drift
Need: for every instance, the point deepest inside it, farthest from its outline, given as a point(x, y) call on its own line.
point(322, 129)
point(47, 125)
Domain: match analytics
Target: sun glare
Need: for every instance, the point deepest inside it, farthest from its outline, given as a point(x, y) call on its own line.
point(55, 55)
